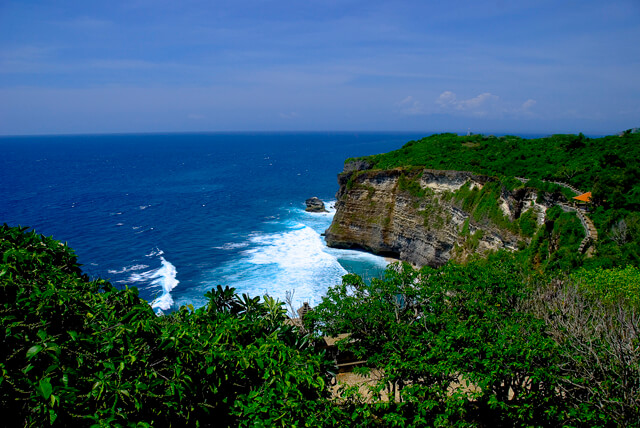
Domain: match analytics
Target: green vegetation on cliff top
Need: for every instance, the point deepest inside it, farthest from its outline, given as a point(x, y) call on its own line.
point(607, 166)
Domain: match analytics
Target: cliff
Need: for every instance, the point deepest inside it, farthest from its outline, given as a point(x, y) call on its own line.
point(426, 217)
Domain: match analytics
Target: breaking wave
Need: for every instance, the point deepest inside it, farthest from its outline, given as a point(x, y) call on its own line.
point(294, 260)
point(162, 278)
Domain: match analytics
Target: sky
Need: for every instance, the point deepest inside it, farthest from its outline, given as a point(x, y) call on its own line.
point(78, 67)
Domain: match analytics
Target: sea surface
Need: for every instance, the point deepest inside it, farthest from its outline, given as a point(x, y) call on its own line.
point(178, 214)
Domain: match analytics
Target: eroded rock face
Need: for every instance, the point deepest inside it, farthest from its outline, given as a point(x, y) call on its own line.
point(315, 205)
point(419, 223)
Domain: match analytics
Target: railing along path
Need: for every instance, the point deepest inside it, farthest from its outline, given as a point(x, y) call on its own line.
point(591, 233)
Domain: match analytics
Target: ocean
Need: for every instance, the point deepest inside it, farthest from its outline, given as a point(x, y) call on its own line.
point(177, 214)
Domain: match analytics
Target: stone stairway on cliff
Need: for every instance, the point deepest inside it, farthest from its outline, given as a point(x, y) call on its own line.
point(590, 231)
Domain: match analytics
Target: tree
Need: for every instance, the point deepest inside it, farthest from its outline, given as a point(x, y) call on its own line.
point(450, 342)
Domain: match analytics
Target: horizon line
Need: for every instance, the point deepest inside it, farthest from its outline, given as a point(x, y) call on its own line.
point(425, 132)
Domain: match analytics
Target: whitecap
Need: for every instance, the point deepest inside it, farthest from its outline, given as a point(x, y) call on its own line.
point(292, 261)
point(127, 269)
point(232, 246)
point(163, 278)
point(294, 249)
point(156, 252)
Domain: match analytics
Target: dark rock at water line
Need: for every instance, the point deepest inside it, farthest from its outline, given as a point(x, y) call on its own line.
point(315, 205)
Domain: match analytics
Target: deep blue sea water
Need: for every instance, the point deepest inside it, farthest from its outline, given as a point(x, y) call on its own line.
point(177, 214)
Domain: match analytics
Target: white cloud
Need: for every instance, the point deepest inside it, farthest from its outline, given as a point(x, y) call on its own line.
point(526, 108)
point(411, 106)
point(484, 104)
point(446, 98)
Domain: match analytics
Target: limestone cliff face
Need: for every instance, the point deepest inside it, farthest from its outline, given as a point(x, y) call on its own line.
point(412, 215)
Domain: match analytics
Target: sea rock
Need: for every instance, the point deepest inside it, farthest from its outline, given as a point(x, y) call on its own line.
point(315, 205)
point(422, 224)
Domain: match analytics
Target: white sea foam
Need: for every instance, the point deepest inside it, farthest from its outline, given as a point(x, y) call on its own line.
point(298, 248)
point(164, 277)
point(329, 206)
point(294, 260)
point(156, 252)
point(128, 269)
point(232, 246)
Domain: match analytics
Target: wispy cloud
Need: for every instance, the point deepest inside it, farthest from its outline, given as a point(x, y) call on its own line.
point(289, 116)
point(411, 106)
point(527, 105)
point(482, 105)
point(527, 108)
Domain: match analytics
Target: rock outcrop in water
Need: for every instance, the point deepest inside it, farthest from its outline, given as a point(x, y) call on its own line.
point(315, 205)
point(414, 215)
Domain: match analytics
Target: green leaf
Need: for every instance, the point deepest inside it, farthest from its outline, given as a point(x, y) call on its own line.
point(52, 416)
point(45, 388)
point(34, 350)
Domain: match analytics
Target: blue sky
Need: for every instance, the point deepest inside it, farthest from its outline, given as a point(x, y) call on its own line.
point(187, 66)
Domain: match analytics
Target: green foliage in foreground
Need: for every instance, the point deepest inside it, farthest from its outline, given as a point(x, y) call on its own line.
point(477, 345)
point(485, 344)
point(76, 352)
point(450, 342)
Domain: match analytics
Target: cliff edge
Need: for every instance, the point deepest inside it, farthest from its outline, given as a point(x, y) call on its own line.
point(427, 217)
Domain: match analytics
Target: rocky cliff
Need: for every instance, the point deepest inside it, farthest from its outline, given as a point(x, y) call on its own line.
point(424, 216)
